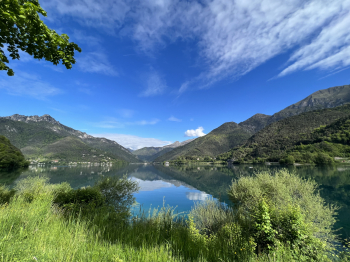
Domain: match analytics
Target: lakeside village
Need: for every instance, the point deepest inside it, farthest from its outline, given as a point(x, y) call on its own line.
point(105, 161)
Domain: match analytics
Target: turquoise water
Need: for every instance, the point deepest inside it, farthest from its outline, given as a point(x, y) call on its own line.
point(182, 186)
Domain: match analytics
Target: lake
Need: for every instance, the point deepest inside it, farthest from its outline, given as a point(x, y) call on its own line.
point(182, 186)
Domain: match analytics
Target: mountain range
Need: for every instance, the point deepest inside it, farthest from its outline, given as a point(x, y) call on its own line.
point(46, 138)
point(148, 154)
point(231, 134)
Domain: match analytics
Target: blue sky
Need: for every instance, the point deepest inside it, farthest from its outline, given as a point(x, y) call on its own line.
point(152, 72)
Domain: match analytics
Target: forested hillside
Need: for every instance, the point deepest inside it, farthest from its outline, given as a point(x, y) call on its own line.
point(10, 156)
point(150, 153)
point(36, 135)
point(217, 141)
point(274, 141)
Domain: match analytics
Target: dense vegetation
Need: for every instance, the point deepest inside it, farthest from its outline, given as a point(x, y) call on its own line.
point(44, 140)
point(147, 153)
point(10, 156)
point(302, 138)
point(57, 223)
point(216, 142)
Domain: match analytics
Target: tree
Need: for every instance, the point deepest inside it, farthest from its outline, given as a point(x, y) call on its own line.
point(21, 28)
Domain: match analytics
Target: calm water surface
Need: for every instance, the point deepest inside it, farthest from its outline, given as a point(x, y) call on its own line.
point(182, 186)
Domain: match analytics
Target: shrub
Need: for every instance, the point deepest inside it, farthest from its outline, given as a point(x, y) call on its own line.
point(6, 194)
point(80, 200)
point(210, 215)
point(323, 158)
point(118, 193)
point(283, 208)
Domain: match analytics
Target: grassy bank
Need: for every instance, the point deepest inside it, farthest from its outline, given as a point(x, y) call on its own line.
point(44, 222)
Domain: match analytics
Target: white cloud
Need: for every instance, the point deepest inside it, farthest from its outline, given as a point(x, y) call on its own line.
point(234, 36)
point(196, 133)
point(134, 142)
point(155, 85)
point(24, 84)
point(174, 119)
point(95, 62)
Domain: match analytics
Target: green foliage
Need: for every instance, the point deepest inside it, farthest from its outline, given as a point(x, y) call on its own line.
point(311, 137)
point(285, 208)
point(54, 141)
point(21, 28)
point(10, 156)
point(218, 141)
point(6, 194)
point(118, 193)
point(210, 216)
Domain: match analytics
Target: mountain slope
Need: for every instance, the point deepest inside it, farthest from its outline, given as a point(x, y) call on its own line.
point(10, 156)
point(325, 98)
point(151, 153)
point(32, 133)
point(274, 140)
point(255, 123)
point(216, 142)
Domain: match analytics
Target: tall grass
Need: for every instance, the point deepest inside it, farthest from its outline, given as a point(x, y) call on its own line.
point(32, 228)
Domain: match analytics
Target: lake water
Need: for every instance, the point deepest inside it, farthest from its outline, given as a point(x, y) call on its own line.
point(182, 186)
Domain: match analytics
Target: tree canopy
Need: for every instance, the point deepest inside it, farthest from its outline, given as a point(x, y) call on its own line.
point(21, 28)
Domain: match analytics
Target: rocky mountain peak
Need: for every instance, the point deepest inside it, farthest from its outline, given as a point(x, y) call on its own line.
point(35, 118)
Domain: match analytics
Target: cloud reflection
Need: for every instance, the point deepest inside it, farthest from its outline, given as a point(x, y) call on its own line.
point(197, 196)
point(146, 185)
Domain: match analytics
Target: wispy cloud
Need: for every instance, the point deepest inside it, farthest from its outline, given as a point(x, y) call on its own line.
point(111, 122)
point(155, 85)
point(85, 90)
point(24, 84)
point(195, 132)
point(174, 119)
point(95, 62)
point(107, 14)
point(134, 142)
point(125, 113)
point(233, 37)
point(144, 122)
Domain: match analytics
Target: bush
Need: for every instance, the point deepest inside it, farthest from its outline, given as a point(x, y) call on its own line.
point(6, 194)
point(80, 200)
point(283, 208)
point(323, 158)
point(118, 193)
point(210, 216)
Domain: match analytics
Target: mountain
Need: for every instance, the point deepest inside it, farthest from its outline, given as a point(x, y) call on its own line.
point(150, 153)
point(255, 123)
point(272, 142)
point(325, 98)
point(218, 141)
point(45, 137)
point(10, 156)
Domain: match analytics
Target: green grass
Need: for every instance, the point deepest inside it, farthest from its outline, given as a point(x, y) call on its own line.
point(32, 228)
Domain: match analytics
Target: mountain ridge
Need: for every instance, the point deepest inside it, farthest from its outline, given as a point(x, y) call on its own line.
point(38, 132)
